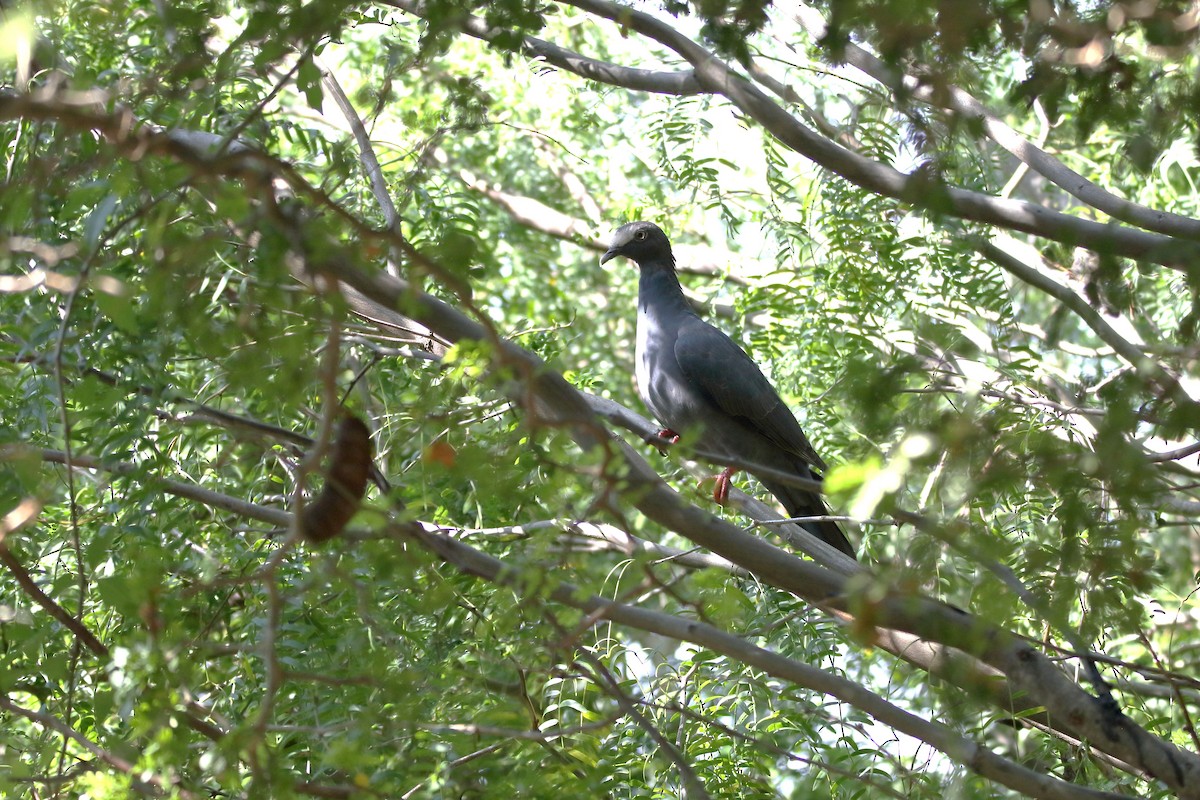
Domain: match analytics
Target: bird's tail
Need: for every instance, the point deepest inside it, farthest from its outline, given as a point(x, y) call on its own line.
point(803, 503)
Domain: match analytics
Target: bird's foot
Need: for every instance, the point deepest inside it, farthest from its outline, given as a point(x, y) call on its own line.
point(724, 482)
point(666, 433)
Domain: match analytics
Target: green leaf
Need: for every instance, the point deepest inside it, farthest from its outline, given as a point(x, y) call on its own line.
point(308, 79)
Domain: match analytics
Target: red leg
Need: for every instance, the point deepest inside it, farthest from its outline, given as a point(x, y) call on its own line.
point(724, 481)
point(666, 433)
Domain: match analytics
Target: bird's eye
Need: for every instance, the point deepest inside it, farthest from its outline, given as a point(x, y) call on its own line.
point(640, 235)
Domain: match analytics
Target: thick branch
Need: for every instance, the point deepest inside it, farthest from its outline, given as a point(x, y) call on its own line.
point(1050, 168)
point(882, 179)
point(960, 749)
point(550, 400)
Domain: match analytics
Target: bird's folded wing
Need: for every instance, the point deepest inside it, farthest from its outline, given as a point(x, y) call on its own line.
point(718, 369)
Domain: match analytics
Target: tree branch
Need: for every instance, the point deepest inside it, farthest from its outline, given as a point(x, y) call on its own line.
point(536, 215)
point(958, 748)
point(366, 154)
point(549, 400)
point(715, 77)
point(638, 80)
point(208, 497)
point(955, 99)
point(25, 513)
point(1150, 370)
point(141, 781)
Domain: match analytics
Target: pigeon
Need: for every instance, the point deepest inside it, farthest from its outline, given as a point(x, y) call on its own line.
point(693, 377)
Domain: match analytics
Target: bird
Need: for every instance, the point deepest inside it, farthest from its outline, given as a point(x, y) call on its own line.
point(693, 377)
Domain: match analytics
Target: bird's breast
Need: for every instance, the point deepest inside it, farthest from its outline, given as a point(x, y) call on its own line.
point(660, 381)
point(646, 357)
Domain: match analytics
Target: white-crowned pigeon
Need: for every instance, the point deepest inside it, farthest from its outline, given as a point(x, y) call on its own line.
point(694, 377)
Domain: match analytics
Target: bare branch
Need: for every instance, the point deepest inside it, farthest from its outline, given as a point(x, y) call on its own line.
point(1043, 280)
point(1053, 170)
point(716, 77)
point(536, 215)
point(613, 538)
point(574, 185)
point(208, 497)
point(366, 154)
point(694, 788)
point(638, 80)
point(1178, 453)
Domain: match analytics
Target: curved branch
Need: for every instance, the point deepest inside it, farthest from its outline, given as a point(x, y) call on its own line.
point(955, 99)
point(551, 401)
point(638, 80)
point(960, 749)
point(1176, 454)
point(882, 179)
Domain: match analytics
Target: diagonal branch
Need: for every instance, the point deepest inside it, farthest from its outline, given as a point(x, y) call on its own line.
point(143, 782)
point(549, 400)
point(694, 788)
point(960, 749)
point(25, 513)
point(638, 80)
point(1050, 168)
point(536, 215)
point(1152, 371)
point(716, 77)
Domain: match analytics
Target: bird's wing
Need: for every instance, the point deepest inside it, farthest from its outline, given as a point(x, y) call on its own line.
point(717, 368)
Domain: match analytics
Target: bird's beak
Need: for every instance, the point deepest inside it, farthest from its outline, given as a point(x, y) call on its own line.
point(609, 256)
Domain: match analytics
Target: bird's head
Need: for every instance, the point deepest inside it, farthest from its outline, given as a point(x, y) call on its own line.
point(643, 242)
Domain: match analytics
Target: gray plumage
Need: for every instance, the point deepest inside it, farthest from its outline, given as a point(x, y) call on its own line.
point(691, 375)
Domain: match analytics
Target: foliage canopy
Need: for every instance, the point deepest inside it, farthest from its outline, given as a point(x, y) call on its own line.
point(963, 238)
